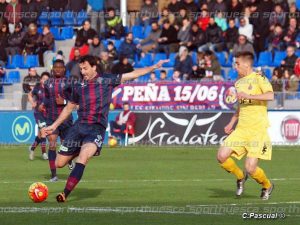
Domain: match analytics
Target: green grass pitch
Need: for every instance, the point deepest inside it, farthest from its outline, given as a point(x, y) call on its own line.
point(147, 185)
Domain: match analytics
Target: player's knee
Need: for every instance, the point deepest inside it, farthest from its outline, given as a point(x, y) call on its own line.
point(250, 168)
point(59, 164)
point(82, 160)
point(222, 156)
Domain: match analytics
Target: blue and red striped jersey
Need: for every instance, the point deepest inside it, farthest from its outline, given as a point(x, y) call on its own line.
point(38, 93)
point(94, 97)
point(53, 88)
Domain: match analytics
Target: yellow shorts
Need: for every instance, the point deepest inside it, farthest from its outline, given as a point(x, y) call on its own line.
point(251, 142)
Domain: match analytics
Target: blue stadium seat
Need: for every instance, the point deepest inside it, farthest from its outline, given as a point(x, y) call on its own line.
point(265, 59)
point(14, 77)
point(147, 30)
point(221, 58)
point(298, 4)
point(68, 18)
point(170, 74)
point(172, 58)
point(30, 61)
point(194, 57)
point(144, 61)
point(81, 17)
point(229, 61)
point(278, 57)
point(268, 73)
point(56, 33)
point(137, 32)
point(16, 61)
point(43, 19)
point(159, 56)
point(55, 18)
point(232, 74)
point(117, 44)
point(223, 74)
point(67, 33)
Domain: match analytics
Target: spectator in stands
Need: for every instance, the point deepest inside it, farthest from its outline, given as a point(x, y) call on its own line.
point(105, 64)
point(2, 75)
point(166, 15)
point(46, 44)
point(133, 8)
point(176, 76)
point(152, 78)
point(277, 17)
point(97, 15)
point(163, 76)
point(42, 6)
point(191, 7)
point(113, 25)
point(128, 48)
point(276, 39)
point(82, 46)
point(72, 67)
point(15, 41)
point(242, 45)
point(219, 5)
point(246, 29)
point(184, 63)
point(197, 38)
point(277, 84)
point(289, 61)
point(212, 66)
point(294, 13)
point(30, 10)
point(123, 66)
point(221, 21)
point(179, 18)
point(297, 68)
point(174, 6)
point(115, 4)
point(32, 40)
point(13, 14)
point(149, 13)
point(58, 5)
point(3, 5)
point(125, 120)
point(96, 47)
point(199, 68)
point(3, 44)
point(112, 51)
point(291, 33)
point(168, 39)
point(213, 36)
point(29, 82)
point(235, 7)
point(231, 35)
point(203, 20)
point(184, 32)
point(292, 84)
point(79, 5)
point(150, 42)
point(86, 34)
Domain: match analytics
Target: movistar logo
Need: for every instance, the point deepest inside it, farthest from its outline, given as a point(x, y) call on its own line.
point(22, 129)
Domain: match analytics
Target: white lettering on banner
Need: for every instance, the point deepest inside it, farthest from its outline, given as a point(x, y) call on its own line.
point(161, 138)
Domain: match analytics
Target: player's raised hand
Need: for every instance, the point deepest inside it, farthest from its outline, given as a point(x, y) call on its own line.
point(60, 100)
point(160, 63)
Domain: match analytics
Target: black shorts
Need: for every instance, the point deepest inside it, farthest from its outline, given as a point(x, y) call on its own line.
point(80, 134)
point(62, 130)
point(39, 119)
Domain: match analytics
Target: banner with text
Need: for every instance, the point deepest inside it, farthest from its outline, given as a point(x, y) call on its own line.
point(170, 96)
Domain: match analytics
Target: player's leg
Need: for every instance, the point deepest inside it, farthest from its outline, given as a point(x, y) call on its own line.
point(36, 142)
point(258, 174)
point(87, 151)
point(43, 146)
point(52, 156)
point(228, 164)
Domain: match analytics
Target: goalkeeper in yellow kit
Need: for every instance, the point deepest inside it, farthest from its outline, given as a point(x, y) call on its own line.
point(250, 137)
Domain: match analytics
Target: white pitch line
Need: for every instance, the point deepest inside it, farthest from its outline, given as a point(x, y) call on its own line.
point(246, 204)
point(144, 181)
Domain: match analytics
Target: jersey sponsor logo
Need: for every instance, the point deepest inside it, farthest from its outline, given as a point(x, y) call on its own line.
point(22, 129)
point(63, 148)
point(264, 150)
point(99, 141)
point(290, 128)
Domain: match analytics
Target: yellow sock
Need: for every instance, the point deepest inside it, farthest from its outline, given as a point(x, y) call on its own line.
point(261, 178)
point(230, 166)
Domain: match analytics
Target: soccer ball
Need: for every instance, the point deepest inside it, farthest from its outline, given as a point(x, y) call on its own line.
point(38, 192)
point(112, 142)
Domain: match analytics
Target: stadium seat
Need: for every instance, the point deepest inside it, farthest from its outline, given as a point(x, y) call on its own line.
point(223, 74)
point(43, 19)
point(147, 30)
point(229, 60)
point(67, 33)
point(56, 33)
point(30, 61)
point(144, 61)
point(172, 58)
point(194, 57)
point(16, 61)
point(81, 17)
point(265, 59)
point(232, 74)
point(137, 32)
point(68, 18)
point(159, 56)
point(267, 73)
point(117, 44)
point(298, 4)
point(55, 18)
point(278, 57)
point(170, 74)
point(221, 57)
point(14, 77)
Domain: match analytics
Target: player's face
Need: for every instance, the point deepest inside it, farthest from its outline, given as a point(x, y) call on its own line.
point(58, 70)
point(44, 79)
point(241, 67)
point(88, 72)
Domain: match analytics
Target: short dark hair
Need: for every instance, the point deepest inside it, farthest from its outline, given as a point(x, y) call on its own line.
point(92, 60)
point(163, 71)
point(246, 55)
point(45, 73)
point(59, 61)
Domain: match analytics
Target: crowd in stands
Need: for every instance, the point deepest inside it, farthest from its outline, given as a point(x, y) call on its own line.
point(191, 33)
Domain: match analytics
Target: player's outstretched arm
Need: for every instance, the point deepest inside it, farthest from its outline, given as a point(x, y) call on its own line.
point(140, 72)
point(31, 100)
point(229, 127)
point(268, 96)
point(68, 109)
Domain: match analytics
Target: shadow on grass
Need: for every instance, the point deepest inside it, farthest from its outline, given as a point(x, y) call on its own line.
point(84, 193)
point(223, 193)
